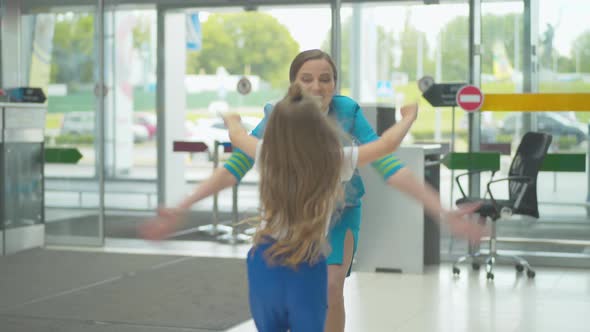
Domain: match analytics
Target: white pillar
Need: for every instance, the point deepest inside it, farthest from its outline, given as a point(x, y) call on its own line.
point(171, 105)
point(12, 65)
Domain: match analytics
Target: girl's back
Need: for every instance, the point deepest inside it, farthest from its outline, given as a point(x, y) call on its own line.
point(299, 161)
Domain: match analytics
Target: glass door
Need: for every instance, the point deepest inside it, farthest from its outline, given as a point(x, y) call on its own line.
point(63, 52)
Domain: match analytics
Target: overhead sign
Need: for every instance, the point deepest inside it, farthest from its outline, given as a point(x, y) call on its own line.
point(470, 98)
point(443, 95)
point(194, 36)
point(26, 95)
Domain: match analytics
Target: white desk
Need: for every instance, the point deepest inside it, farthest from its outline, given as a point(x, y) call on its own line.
point(392, 229)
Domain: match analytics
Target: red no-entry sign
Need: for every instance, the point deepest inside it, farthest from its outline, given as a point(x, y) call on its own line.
point(470, 98)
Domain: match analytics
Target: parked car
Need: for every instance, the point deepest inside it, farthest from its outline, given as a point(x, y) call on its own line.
point(83, 123)
point(147, 120)
point(78, 123)
point(140, 134)
point(208, 130)
point(488, 128)
point(548, 122)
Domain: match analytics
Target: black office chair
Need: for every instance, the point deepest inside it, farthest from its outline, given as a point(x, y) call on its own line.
point(522, 189)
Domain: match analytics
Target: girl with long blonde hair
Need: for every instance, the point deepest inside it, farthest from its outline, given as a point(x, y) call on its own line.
point(302, 163)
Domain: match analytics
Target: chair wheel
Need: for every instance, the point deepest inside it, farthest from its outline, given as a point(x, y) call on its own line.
point(490, 276)
point(519, 267)
point(530, 274)
point(456, 271)
point(475, 266)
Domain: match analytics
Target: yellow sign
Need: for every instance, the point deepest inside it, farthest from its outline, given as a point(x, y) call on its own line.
point(537, 102)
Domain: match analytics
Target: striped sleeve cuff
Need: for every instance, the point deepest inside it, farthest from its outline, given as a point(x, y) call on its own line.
point(387, 166)
point(239, 164)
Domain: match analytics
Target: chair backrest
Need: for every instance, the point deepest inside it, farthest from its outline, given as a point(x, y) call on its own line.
point(527, 162)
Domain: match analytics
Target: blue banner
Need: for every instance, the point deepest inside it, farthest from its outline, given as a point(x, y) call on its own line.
point(194, 37)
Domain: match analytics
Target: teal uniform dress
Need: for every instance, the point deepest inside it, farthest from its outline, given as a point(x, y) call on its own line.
point(348, 217)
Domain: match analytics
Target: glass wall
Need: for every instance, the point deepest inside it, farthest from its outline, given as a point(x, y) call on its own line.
point(131, 122)
point(503, 45)
point(396, 45)
point(386, 47)
point(399, 44)
point(225, 45)
point(563, 49)
point(60, 55)
point(234, 44)
point(562, 195)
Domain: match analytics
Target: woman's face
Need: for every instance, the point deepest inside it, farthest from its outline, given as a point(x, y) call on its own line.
point(317, 78)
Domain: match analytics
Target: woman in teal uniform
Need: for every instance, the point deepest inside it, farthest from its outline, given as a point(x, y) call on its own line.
point(316, 72)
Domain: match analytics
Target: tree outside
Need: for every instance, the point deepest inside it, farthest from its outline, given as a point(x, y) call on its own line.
point(257, 43)
point(581, 53)
point(73, 49)
point(245, 43)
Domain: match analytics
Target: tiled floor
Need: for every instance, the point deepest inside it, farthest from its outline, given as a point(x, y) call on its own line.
point(556, 300)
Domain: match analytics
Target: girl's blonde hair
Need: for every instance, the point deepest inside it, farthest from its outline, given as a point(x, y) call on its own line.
point(300, 161)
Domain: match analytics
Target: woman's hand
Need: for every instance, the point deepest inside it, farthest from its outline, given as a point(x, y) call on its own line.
point(231, 119)
point(462, 225)
point(409, 112)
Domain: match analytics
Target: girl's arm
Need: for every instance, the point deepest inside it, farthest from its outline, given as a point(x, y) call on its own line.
point(390, 139)
point(239, 163)
point(169, 219)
